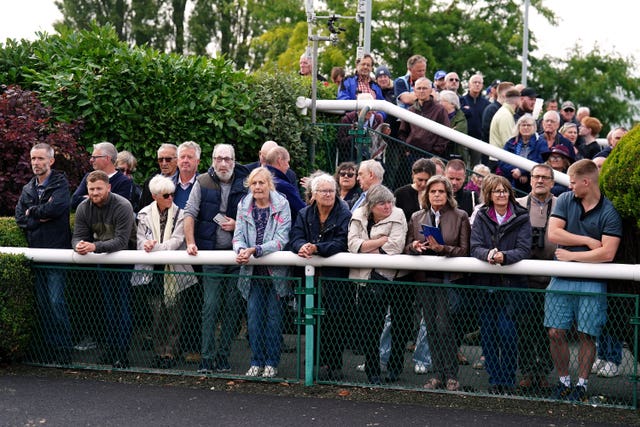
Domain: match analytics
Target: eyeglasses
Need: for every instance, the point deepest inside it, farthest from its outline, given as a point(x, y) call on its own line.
point(97, 157)
point(569, 110)
point(166, 196)
point(223, 159)
point(126, 171)
point(347, 174)
point(555, 157)
point(166, 159)
point(541, 177)
point(453, 79)
point(326, 192)
point(500, 192)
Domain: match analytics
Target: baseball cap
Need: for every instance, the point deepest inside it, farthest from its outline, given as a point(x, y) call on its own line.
point(439, 75)
point(383, 71)
point(529, 92)
point(568, 105)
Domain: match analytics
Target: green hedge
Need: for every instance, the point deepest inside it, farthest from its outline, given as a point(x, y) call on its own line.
point(17, 315)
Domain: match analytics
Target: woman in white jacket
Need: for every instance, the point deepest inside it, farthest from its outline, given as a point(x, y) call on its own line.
point(160, 228)
point(378, 226)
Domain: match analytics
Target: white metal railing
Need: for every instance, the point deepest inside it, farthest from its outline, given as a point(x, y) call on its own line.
point(444, 131)
point(404, 262)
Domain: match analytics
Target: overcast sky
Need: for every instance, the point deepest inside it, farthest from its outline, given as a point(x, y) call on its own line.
point(584, 22)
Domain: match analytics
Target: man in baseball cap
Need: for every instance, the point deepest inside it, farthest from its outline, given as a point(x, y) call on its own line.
point(438, 80)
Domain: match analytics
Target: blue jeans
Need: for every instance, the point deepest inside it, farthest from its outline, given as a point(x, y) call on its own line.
point(499, 338)
point(217, 290)
point(609, 348)
point(49, 292)
point(116, 293)
point(264, 323)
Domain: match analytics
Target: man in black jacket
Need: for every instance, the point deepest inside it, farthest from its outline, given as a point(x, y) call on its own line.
point(43, 213)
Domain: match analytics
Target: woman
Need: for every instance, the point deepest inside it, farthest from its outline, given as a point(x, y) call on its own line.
point(321, 229)
point(379, 227)
point(475, 183)
point(525, 143)
point(347, 182)
point(160, 228)
point(457, 121)
point(262, 227)
point(440, 210)
point(589, 130)
point(560, 160)
point(570, 131)
point(127, 163)
point(500, 235)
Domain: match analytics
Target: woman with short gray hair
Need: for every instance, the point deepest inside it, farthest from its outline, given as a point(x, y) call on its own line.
point(379, 227)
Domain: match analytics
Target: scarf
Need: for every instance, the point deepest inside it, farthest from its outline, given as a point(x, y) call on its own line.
point(170, 282)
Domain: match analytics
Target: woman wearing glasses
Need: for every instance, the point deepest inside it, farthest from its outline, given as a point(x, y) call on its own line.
point(347, 183)
point(160, 228)
point(525, 143)
point(500, 235)
point(321, 229)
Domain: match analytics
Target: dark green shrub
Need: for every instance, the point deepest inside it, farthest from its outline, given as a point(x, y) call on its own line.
point(620, 176)
point(10, 234)
point(16, 306)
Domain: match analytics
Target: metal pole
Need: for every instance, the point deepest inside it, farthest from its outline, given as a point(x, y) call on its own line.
point(367, 27)
point(525, 43)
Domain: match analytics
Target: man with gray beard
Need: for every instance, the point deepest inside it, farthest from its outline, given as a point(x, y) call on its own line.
point(209, 222)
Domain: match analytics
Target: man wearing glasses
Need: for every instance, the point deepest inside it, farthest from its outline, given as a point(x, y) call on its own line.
point(168, 164)
point(209, 222)
point(534, 359)
point(104, 159)
point(452, 82)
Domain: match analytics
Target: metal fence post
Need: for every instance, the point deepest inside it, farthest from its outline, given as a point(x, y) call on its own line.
point(309, 272)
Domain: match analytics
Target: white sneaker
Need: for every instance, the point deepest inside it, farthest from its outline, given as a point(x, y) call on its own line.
point(360, 368)
point(270, 372)
point(597, 365)
point(608, 370)
point(420, 369)
point(254, 371)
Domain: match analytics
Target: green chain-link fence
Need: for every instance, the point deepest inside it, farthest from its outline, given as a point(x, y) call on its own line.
point(399, 334)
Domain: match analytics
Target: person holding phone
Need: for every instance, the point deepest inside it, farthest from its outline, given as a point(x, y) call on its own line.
point(440, 211)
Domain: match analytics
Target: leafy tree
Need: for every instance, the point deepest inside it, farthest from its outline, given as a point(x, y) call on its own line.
point(601, 81)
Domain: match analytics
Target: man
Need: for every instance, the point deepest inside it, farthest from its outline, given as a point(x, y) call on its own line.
point(613, 137)
point(502, 124)
point(582, 112)
point(168, 164)
point(209, 222)
point(370, 174)
point(456, 173)
point(104, 159)
point(492, 108)
point(417, 136)
point(452, 82)
point(306, 67)
point(528, 98)
point(568, 113)
point(587, 228)
point(383, 78)
point(188, 161)
point(404, 86)
point(262, 161)
point(42, 213)
point(472, 105)
point(550, 126)
point(534, 359)
point(361, 82)
point(439, 82)
point(278, 163)
point(104, 223)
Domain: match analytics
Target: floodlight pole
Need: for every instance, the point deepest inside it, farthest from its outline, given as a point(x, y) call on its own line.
point(525, 43)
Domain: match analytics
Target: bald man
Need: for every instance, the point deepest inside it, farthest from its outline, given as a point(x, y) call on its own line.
point(262, 154)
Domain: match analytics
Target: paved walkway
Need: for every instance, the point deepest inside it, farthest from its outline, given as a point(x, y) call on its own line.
point(44, 401)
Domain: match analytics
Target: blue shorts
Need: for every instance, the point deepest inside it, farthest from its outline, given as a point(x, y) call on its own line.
point(589, 311)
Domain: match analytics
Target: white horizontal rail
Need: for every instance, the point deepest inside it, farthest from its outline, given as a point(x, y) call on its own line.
point(404, 262)
point(430, 125)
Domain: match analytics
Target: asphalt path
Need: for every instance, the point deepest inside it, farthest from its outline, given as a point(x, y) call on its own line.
point(44, 401)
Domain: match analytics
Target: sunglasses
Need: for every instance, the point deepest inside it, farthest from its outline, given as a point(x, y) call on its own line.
point(166, 159)
point(454, 80)
point(347, 174)
point(166, 196)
